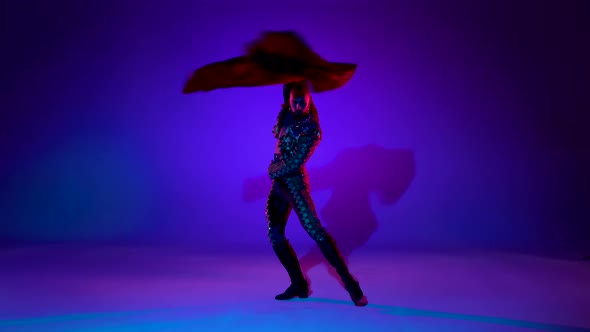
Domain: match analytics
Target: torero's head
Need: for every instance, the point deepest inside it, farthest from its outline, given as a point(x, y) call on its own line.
point(299, 99)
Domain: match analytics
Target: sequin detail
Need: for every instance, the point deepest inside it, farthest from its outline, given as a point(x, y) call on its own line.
point(297, 146)
point(290, 186)
point(277, 211)
point(304, 206)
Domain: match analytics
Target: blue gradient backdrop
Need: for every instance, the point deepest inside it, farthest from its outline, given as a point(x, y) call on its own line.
point(465, 125)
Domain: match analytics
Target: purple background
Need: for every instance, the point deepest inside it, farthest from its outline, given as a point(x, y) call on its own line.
point(465, 125)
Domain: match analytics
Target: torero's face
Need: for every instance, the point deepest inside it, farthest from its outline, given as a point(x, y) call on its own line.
point(299, 101)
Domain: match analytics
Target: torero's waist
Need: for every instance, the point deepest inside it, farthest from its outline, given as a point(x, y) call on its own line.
point(282, 155)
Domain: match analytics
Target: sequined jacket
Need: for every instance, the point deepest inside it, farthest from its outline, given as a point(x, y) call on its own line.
point(296, 146)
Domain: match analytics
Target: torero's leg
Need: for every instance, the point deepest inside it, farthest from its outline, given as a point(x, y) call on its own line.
point(278, 209)
point(300, 198)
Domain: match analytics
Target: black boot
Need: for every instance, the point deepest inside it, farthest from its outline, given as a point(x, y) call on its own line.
point(332, 254)
point(299, 286)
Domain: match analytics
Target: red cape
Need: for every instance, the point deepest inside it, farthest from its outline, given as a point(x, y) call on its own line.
point(275, 58)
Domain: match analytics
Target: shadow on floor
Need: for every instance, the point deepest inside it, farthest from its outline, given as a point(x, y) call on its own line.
point(401, 311)
point(383, 309)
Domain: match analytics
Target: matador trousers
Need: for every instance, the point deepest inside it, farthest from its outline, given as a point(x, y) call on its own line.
point(288, 194)
point(292, 193)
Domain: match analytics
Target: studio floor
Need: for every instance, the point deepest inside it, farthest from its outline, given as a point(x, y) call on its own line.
point(64, 288)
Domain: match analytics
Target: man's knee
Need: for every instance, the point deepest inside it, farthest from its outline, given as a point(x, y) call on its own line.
point(276, 235)
point(316, 231)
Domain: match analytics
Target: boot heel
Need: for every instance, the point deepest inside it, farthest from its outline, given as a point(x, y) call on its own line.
point(301, 291)
point(303, 295)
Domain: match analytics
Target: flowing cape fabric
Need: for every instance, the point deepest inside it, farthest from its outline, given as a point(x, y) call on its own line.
point(276, 57)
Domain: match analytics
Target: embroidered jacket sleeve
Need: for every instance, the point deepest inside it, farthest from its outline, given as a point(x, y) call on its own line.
point(303, 148)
